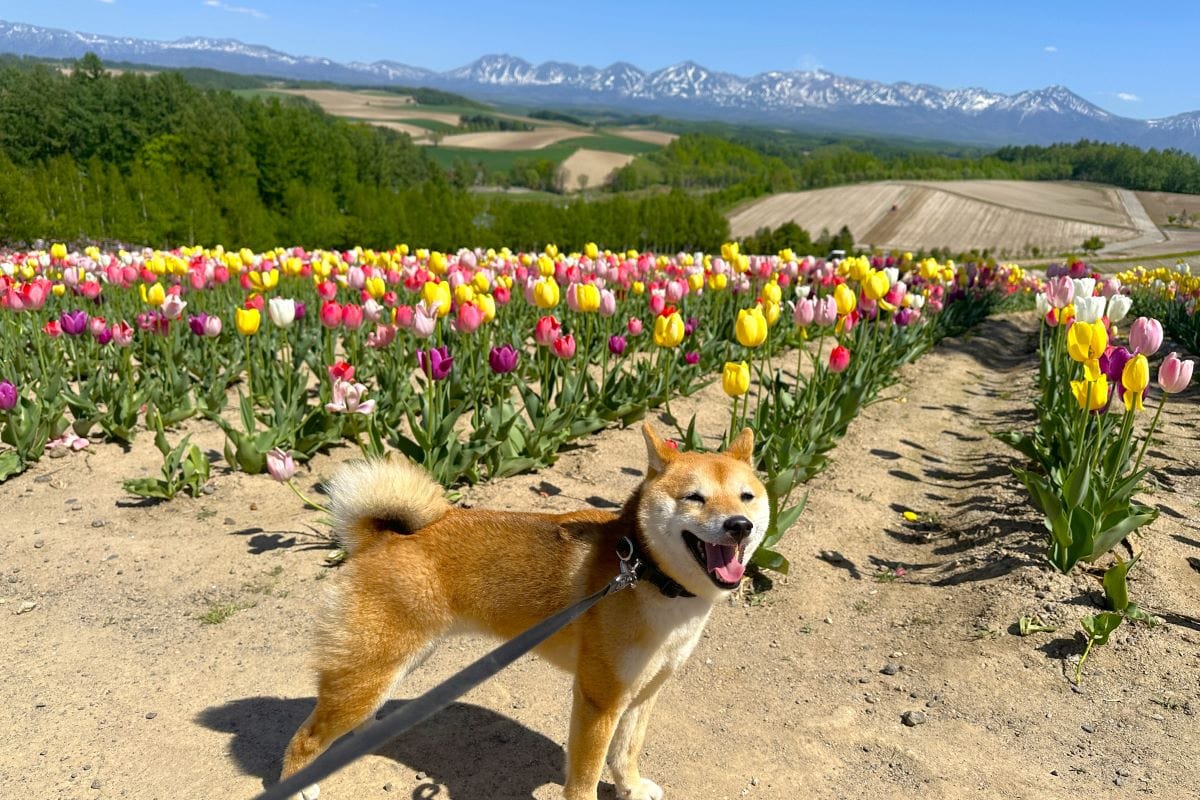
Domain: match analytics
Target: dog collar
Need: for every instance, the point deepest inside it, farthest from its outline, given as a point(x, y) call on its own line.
point(636, 559)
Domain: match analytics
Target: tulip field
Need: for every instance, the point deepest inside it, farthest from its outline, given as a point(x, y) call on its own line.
point(251, 372)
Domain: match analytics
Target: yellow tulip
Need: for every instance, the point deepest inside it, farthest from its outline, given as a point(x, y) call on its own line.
point(247, 321)
point(58, 290)
point(729, 251)
point(772, 312)
point(464, 293)
point(487, 304)
point(695, 281)
point(735, 379)
point(638, 287)
point(751, 327)
point(437, 294)
point(876, 285)
point(545, 293)
point(858, 268)
point(718, 281)
point(844, 298)
point(1086, 342)
point(58, 251)
point(771, 293)
point(376, 286)
point(668, 331)
point(587, 297)
point(545, 266)
point(437, 263)
point(154, 296)
point(1135, 378)
point(1091, 395)
point(741, 264)
point(480, 282)
point(263, 281)
point(591, 251)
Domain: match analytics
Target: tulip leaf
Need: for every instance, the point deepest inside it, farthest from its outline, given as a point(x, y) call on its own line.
point(766, 558)
point(1116, 591)
point(1112, 536)
point(1077, 484)
point(1100, 626)
point(10, 465)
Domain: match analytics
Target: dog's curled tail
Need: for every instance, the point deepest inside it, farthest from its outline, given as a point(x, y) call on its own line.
point(368, 498)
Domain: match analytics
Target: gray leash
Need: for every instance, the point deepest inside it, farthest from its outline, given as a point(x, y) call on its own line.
point(422, 708)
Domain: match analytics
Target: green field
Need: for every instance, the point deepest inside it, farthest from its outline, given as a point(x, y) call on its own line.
point(503, 160)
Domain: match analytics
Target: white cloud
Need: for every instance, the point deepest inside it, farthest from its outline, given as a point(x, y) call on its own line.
point(1050, 48)
point(252, 12)
point(108, 2)
point(1128, 97)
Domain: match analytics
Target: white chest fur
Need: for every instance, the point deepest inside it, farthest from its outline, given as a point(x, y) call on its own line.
point(673, 628)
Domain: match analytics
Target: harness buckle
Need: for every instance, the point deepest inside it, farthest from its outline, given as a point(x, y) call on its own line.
point(626, 551)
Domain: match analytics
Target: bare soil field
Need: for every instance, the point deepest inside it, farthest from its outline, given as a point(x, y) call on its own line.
point(641, 135)
point(161, 651)
point(1161, 204)
point(370, 106)
point(511, 140)
point(597, 165)
point(418, 133)
point(1003, 216)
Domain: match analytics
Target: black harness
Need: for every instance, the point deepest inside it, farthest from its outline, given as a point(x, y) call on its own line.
point(635, 557)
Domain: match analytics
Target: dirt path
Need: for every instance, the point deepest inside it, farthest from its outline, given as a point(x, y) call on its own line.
point(114, 682)
point(1148, 232)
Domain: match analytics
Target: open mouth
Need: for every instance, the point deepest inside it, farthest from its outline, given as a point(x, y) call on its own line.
point(721, 562)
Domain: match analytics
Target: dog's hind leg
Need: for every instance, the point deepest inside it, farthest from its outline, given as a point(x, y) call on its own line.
point(359, 662)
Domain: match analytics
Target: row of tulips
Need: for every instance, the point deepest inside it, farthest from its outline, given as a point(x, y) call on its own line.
point(1088, 446)
point(476, 364)
point(1171, 296)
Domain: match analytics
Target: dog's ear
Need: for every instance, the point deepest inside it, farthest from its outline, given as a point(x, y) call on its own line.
point(742, 448)
point(658, 452)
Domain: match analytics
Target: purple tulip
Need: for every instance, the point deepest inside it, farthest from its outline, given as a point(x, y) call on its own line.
point(103, 336)
point(692, 358)
point(73, 322)
point(8, 396)
point(503, 360)
point(905, 316)
point(616, 345)
point(301, 309)
point(196, 323)
point(689, 327)
point(436, 362)
point(1112, 365)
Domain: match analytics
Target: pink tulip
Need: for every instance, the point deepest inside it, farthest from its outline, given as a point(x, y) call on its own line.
point(1060, 291)
point(123, 333)
point(1174, 374)
point(331, 314)
point(825, 310)
point(327, 290)
point(657, 304)
point(172, 306)
point(546, 332)
point(1110, 287)
point(404, 316)
point(1145, 336)
point(839, 359)
point(803, 313)
point(424, 321)
point(352, 316)
point(564, 346)
point(348, 399)
point(608, 303)
point(469, 318)
point(634, 326)
point(280, 465)
point(96, 326)
point(355, 278)
point(381, 337)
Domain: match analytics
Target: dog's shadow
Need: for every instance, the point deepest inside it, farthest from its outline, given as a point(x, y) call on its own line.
point(472, 751)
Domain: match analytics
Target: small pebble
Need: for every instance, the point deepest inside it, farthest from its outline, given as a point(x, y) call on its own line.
point(387, 787)
point(39, 543)
point(1088, 728)
point(421, 776)
point(57, 452)
point(890, 668)
point(230, 521)
point(1119, 781)
point(913, 718)
point(1124, 773)
point(864, 680)
point(209, 488)
point(151, 714)
point(98, 523)
point(96, 783)
point(26, 607)
point(934, 703)
point(40, 704)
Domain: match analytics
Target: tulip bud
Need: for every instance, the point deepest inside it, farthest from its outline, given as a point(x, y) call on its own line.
point(8, 396)
point(280, 465)
point(839, 359)
point(1174, 374)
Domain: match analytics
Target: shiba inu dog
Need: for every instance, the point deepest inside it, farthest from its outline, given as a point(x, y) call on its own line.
point(419, 569)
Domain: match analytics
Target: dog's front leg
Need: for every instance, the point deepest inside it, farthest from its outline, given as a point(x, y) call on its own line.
point(593, 718)
point(627, 746)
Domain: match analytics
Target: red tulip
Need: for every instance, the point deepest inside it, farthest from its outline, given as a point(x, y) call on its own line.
point(839, 359)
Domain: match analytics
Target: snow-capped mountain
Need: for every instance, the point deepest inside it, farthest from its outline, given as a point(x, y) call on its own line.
point(801, 98)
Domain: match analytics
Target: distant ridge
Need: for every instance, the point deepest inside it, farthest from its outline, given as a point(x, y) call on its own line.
point(812, 99)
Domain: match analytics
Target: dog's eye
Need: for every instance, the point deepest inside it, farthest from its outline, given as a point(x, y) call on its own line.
point(747, 497)
point(695, 497)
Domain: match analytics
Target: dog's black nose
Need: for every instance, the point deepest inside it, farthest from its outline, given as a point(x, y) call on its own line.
point(738, 527)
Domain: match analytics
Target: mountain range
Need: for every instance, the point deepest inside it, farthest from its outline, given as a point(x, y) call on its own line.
point(801, 99)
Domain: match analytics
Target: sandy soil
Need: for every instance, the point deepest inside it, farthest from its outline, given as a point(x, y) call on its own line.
point(511, 140)
point(597, 165)
point(116, 688)
point(1006, 217)
point(415, 131)
point(640, 134)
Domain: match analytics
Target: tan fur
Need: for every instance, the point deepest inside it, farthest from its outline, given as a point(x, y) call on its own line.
point(501, 573)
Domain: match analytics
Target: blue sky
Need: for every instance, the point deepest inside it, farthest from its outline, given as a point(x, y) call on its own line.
point(1132, 59)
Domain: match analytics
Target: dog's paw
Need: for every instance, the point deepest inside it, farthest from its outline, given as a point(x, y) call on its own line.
point(308, 793)
point(645, 789)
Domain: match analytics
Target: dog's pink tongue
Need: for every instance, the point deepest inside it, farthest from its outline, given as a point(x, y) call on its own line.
point(723, 562)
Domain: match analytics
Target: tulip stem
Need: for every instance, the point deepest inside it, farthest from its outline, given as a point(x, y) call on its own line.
point(310, 503)
point(1154, 424)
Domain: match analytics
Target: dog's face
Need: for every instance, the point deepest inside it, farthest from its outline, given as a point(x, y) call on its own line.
point(703, 514)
